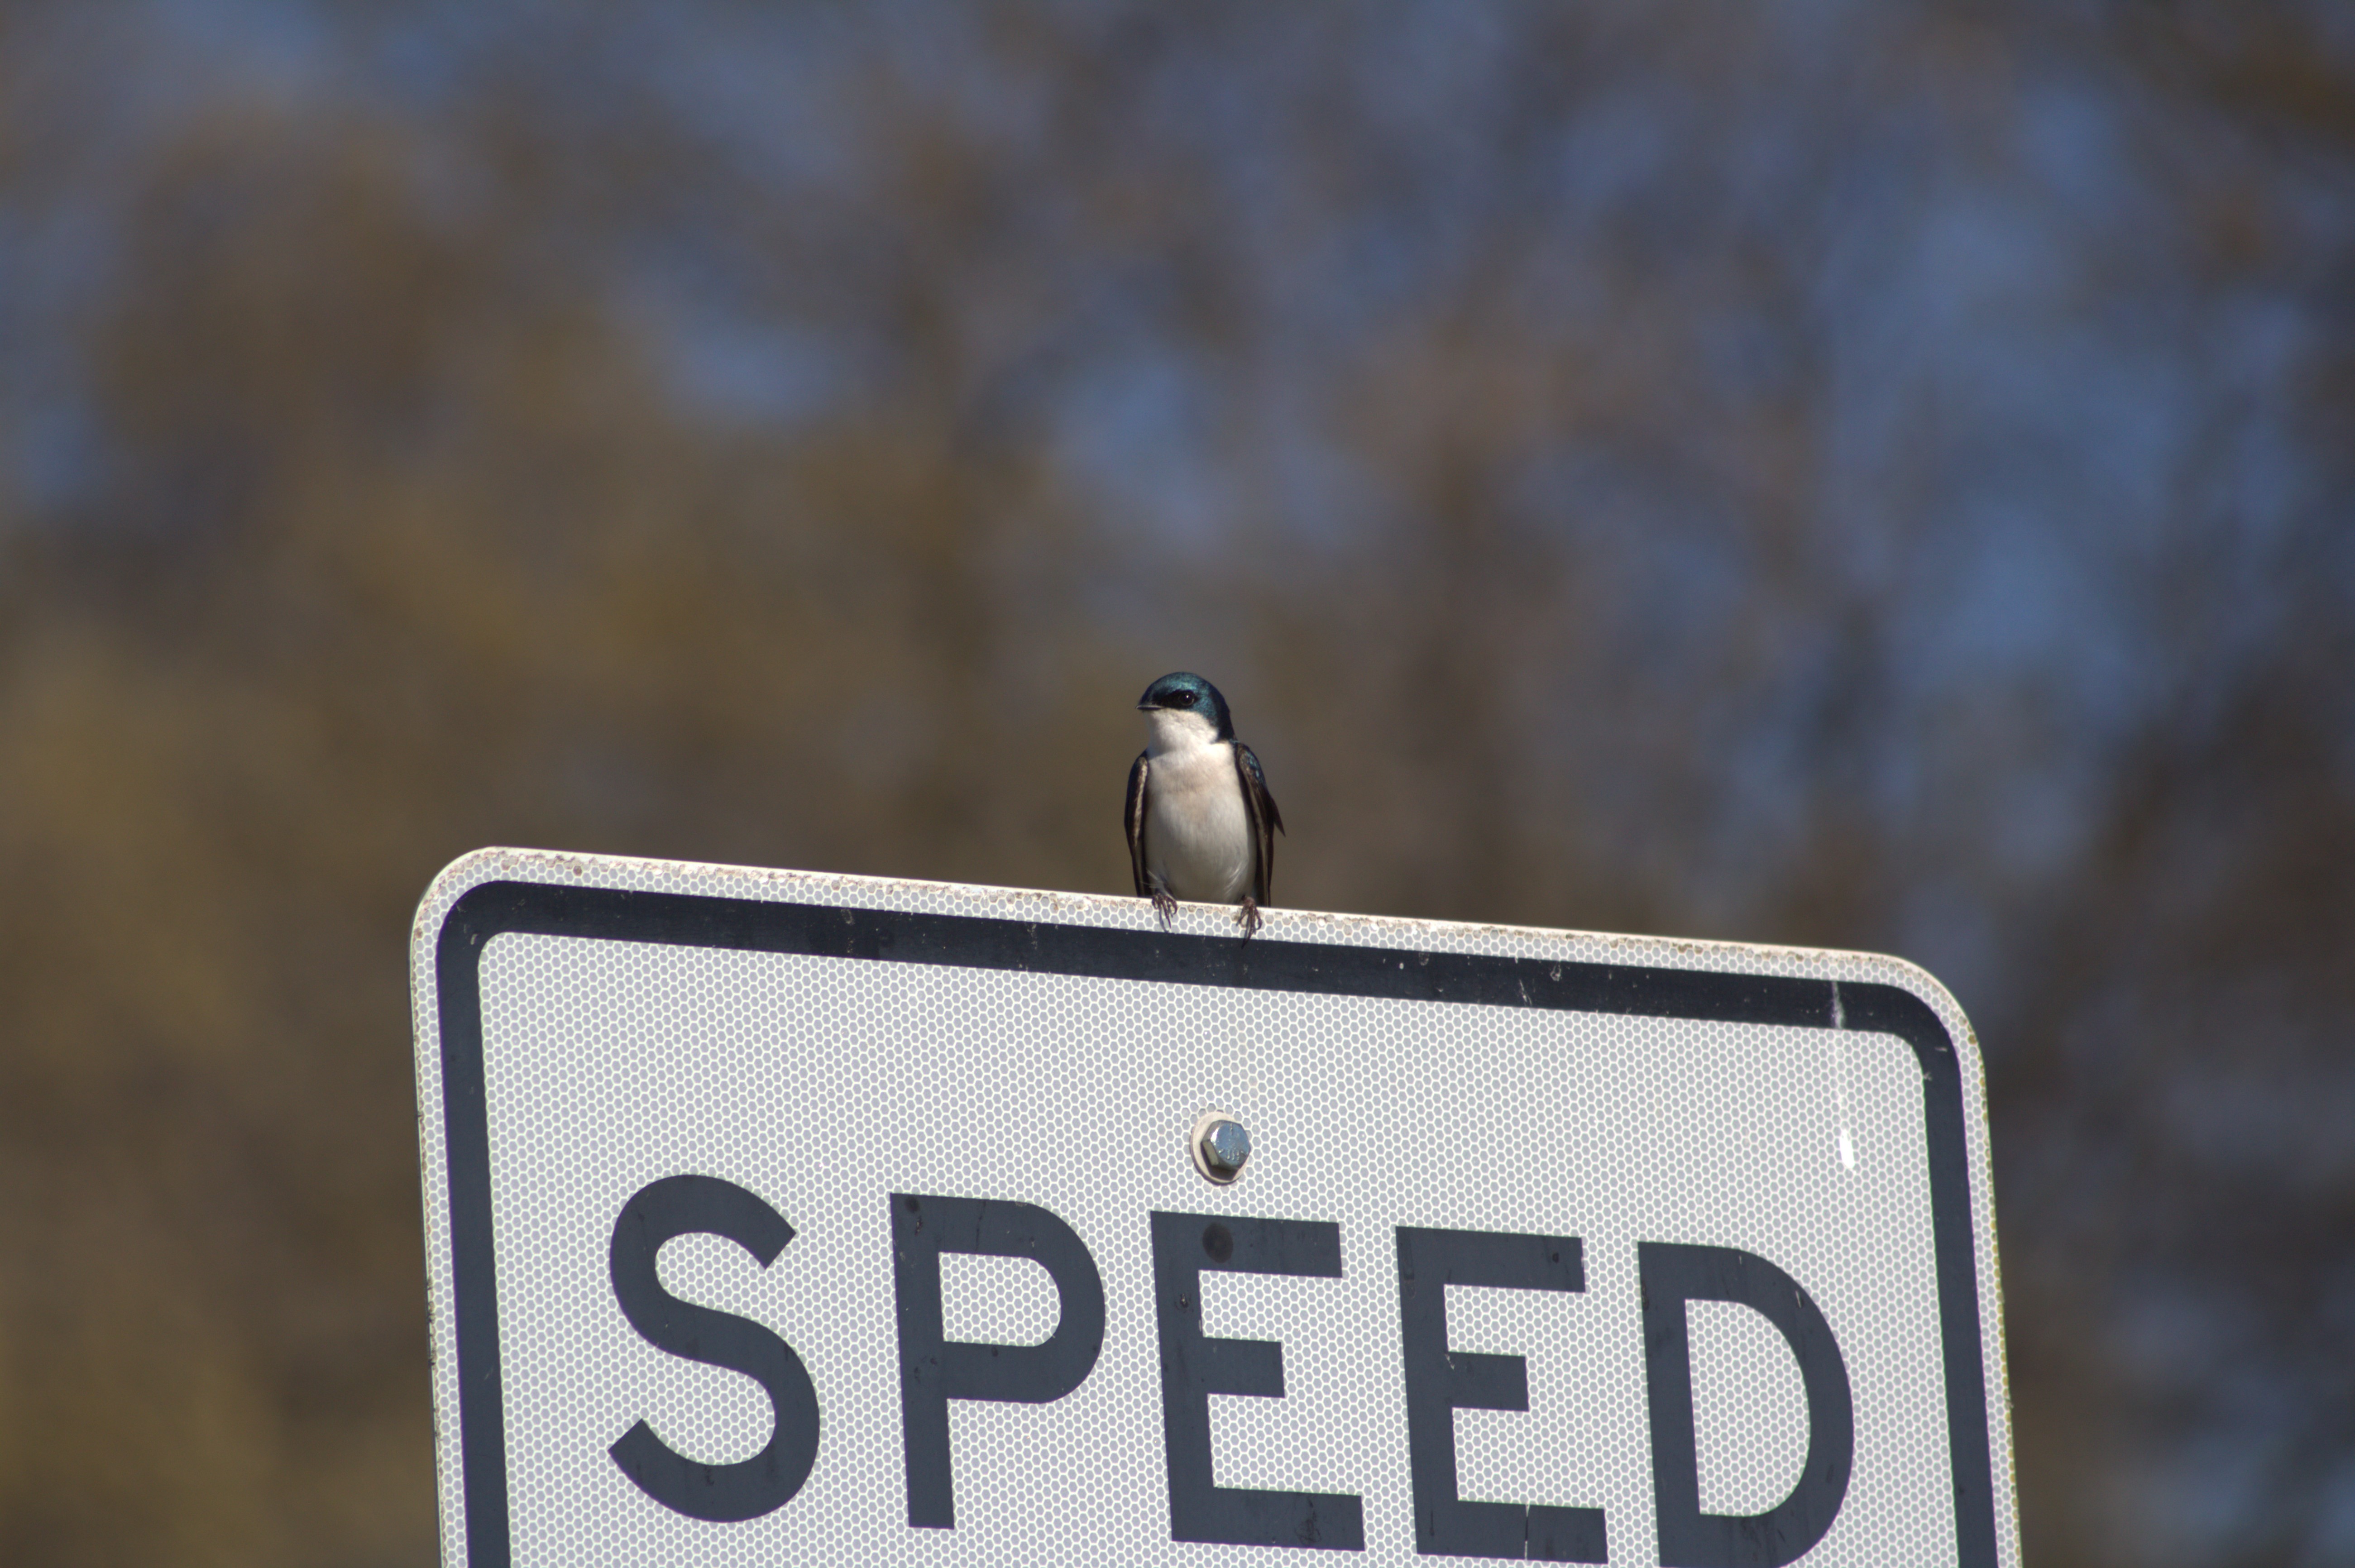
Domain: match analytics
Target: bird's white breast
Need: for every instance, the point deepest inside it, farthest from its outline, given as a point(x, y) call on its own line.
point(1198, 837)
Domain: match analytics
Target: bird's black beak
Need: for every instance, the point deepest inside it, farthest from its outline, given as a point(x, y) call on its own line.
point(1148, 707)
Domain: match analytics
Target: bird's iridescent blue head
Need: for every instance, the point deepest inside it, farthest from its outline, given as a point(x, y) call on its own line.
point(1184, 693)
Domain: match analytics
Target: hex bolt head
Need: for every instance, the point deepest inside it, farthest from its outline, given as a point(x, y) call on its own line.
point(1225, 1147)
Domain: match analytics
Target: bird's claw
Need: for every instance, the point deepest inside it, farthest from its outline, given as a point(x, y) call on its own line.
point(1248, 918)
point(1165, 906)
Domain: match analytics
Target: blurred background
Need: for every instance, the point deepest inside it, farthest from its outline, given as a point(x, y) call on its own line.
point(1867, 474)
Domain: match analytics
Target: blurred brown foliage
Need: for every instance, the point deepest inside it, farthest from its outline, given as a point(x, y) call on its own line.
point(1561, 436)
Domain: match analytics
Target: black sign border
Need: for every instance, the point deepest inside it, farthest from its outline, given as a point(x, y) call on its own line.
point(823, 931)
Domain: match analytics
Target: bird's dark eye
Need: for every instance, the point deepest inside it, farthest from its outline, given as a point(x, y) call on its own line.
point(1181, 699)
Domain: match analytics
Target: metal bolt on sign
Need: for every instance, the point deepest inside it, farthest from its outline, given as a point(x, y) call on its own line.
point(1221, 1147)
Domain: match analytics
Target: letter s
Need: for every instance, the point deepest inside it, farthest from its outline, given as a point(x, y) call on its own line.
point(725, 1494)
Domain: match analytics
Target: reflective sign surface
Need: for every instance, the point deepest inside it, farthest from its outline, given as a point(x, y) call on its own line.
point(781, 1219)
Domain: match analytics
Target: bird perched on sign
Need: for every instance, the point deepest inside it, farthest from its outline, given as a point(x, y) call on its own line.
point(1201, 826)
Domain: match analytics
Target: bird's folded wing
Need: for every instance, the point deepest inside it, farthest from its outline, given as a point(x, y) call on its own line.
point(1266, 821)
point(1135, 815)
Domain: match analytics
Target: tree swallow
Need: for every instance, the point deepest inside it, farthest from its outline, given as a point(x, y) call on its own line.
point(1201, 826)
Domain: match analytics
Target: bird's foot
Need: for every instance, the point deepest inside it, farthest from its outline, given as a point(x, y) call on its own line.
point(1165, 906)
point(1248, 918)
